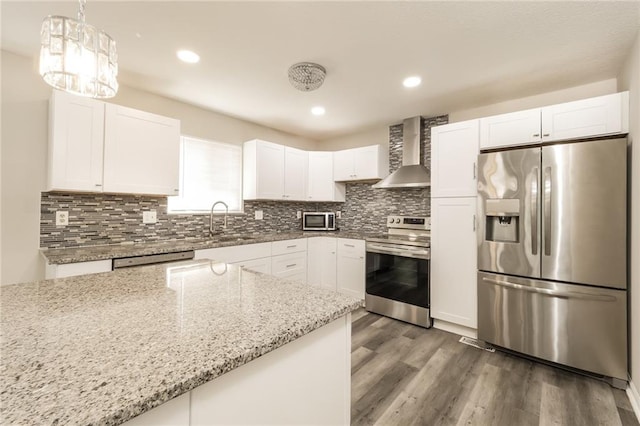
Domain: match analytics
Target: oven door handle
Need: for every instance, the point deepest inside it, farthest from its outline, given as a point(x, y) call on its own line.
point(375, 248)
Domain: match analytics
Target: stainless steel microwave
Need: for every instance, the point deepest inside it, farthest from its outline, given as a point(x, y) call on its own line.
point(318, 221)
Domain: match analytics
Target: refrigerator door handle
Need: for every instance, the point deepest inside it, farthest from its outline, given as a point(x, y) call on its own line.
point(553, 293)
point(547, 211)
point(534, 212)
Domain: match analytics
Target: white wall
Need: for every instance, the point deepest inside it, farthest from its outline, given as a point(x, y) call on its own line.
point(629, 79)
point(598, 88)
point(24, 147)
point(378, 135)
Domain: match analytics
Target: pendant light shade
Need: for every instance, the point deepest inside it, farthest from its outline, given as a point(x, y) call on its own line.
point(77, 57)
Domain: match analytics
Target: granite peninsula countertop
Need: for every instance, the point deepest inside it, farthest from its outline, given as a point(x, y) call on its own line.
point(112, 251)
point(100, 349)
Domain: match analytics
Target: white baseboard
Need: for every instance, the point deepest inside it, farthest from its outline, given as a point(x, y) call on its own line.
point(634, 397)
point(455, 328)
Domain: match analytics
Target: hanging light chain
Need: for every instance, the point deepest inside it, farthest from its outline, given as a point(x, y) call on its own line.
point(81, 10)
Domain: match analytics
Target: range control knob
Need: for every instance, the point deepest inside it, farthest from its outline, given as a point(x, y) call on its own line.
point(390, 220)
point(398, 220)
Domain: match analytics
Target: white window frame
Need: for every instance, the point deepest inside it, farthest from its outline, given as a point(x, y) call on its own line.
point(175, 210)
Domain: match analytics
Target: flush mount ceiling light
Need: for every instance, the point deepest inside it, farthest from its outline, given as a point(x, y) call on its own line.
point(77, 57)
point(412, 81)
point(318, 110)
point(306, 76)
point(188, 56)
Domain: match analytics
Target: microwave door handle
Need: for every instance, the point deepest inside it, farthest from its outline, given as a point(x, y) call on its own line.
point(547, 211)
point(534, 212)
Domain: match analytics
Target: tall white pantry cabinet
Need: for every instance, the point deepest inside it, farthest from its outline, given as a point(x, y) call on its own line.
point(454, 153)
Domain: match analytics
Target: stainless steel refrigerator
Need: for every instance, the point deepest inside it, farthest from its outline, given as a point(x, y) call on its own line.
point(552, 254)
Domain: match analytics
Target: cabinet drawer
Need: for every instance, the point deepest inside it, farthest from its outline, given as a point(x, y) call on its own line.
point(257, 265)
point(351, 248)
point(290, 265)
point(288, 246)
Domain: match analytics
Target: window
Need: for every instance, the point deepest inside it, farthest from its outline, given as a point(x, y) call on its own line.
point(209, 172)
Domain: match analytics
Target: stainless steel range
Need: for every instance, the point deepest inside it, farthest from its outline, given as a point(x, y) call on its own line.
point(397, 282)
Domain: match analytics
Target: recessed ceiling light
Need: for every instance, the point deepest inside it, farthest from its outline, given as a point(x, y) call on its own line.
point(412, 81)
point(318, 110)
point(188, 56)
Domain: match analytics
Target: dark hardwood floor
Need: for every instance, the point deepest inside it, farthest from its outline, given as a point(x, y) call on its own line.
point(407, 375)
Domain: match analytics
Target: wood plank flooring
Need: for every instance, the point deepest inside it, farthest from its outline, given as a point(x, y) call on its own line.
point(407, 375)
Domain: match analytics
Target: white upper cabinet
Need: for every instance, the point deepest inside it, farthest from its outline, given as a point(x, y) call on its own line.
point(263, 170)
point(76, 140)
point(296, 163)
point(141, 152)
point(100, 147)
point(320, 183)
point(454, 153)
point(599, 116)
point(603, 115)
point(273, 172)
point(515, 128)
point(366, 163)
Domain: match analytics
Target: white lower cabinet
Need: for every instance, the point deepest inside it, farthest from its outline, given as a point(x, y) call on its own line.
point(350, 267)
point(321, 262)
point(290, 266)
point(236, 254)
point(74, 269)
point(454, 260)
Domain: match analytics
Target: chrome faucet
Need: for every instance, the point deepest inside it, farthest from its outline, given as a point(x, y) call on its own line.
point(226, 212)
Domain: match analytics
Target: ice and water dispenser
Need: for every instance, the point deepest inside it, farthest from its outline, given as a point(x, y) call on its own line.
point(502, 218)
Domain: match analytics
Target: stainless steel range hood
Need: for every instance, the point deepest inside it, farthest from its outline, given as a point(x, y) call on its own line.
point(411, 174)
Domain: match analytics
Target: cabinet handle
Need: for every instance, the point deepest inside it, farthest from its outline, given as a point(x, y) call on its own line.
point(536, 135)
point(176, 190)
point(293, 246)
point(349, 245)
point(474, 171)
point(98, 184)
point(545, 134)
point(291, 266)
point(474, 223)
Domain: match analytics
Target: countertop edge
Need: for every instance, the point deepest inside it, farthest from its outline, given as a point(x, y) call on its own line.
point(176, 389)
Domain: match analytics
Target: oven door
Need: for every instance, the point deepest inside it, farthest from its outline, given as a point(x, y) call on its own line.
point(398, 273)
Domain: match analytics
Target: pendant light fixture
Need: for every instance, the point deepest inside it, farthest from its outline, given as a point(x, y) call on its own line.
point(77, 57)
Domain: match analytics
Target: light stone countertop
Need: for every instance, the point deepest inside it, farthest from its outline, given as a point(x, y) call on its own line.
point(112, 251)
point(100, 349)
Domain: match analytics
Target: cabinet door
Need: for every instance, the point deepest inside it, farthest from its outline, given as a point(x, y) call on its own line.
point(454, 260)
point(76, 140)
point(320, 183)
point(292, 266)
point(365, 162)
point(602, 115)
point(351, 267)
point(516, 128)
point(295, 174)
point(343, 165)
point(269, 171)
point(321, 262)
point(454, 153)
point(141, 152)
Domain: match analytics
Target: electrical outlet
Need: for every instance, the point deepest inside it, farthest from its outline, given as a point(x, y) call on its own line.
point(299, 215)
point(149, 217)
point(338, 215)
point(259, 215)
point(62, 218)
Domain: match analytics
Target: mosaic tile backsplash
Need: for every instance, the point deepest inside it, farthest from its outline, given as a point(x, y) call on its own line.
point(96, 219)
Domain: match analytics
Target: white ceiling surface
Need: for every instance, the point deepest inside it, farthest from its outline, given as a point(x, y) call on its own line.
point(468, 53)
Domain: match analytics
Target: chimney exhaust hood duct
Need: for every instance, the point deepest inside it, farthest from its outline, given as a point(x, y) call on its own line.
point(411, 174)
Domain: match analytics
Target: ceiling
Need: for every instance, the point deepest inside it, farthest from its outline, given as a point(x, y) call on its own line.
point(468, 53)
